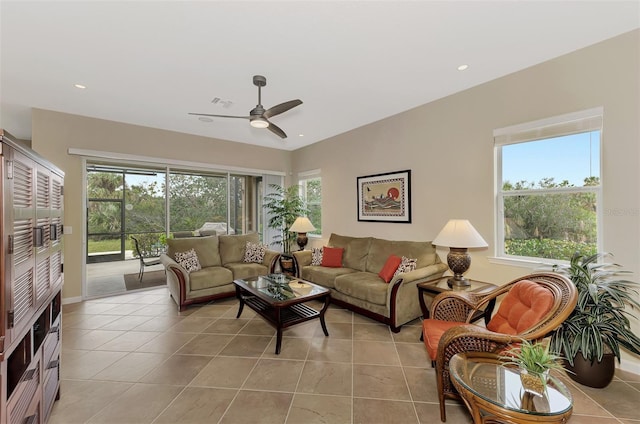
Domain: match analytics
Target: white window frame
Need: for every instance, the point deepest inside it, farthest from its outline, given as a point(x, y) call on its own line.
point(303, 177)
point(557, 126)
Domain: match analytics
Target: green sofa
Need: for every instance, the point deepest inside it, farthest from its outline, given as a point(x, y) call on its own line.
point(357, 286)
point(221, 259)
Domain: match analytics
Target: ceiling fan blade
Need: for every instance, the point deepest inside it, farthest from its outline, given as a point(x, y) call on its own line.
point(282, 107)
point(276, 130)
point(219, 116)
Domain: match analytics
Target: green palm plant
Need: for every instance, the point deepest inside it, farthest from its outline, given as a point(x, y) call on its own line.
point(599, 322)
point(284, 206)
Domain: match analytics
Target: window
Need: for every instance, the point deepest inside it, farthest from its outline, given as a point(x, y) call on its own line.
point(548, 187)
point(311, 190)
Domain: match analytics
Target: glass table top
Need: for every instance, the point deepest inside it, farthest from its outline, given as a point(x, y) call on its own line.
point(502, 386)
point(281, 287)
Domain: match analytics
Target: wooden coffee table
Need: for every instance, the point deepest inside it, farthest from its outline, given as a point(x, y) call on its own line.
point(280, 299)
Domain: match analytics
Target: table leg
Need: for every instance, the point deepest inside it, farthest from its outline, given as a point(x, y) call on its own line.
point(327, 301)
point(241, 301)
point(278, 331)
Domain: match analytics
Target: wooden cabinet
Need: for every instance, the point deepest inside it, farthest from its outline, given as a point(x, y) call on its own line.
point(31, 218)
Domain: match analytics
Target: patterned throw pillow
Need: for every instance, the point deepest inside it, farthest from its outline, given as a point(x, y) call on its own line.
point(316, 256)
point(188, 260)
point(254, 252)
point(407, 265)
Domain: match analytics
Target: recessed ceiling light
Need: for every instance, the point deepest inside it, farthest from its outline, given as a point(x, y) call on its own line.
point(463, 67)
point(300, 135)
point(80, 86)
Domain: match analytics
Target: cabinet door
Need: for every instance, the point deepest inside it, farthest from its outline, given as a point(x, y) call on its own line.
point(20, 261)
point(56, 246)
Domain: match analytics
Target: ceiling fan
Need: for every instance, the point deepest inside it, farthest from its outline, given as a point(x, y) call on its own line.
point(259, 117)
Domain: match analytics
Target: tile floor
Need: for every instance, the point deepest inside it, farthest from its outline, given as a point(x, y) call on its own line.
point(134, 359)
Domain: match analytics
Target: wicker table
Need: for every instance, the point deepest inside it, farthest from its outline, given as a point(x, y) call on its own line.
point(493, 392)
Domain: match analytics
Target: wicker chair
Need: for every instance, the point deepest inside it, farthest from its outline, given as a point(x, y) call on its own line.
point(458, 307)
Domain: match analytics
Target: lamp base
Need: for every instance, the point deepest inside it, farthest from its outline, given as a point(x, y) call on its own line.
point(460, 283)
point(459, 261)
point(302, 240)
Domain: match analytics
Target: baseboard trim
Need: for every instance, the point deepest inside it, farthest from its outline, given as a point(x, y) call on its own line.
point(68, 300)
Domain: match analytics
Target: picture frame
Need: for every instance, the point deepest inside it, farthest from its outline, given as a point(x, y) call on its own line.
point(385, 197)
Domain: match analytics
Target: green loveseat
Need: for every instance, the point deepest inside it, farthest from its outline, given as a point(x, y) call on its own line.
point(357, 286)
point(221, 258)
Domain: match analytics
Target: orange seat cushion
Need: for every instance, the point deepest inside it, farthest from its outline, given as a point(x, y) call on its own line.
point(523, 306)
point(432, 330)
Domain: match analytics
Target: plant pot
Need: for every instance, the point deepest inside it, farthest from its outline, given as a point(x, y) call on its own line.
point(534, 383)
point(592, 373)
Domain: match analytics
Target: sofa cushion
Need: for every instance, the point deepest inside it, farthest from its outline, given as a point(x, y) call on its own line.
point(332, 257)
point(188, 260)
point(242, 270)
point(380, 249)
point(390, 267)
point(232, 246)
point(323, 275)
point(363, 285)
point(355, 251)
point(213, 276)
point(254, 252)
point(206, 248)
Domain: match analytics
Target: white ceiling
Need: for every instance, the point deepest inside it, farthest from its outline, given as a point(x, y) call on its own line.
point(351, 62)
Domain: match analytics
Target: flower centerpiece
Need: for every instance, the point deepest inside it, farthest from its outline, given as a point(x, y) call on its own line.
point(535, 360)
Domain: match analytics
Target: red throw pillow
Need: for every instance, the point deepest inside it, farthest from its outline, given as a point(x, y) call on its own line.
point(390, 267)
point(332, 257)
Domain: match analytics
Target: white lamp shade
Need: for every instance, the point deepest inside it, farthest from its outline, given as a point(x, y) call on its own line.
point(302, 225)
point(459, 233)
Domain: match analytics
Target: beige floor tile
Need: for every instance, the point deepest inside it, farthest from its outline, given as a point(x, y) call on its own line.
point(620, 399)
point(93, 322)
point(123, 309)
point(246, 346)
point(197, 405)
point(337, 330)
point(320, 409)
point(158, 323)
point(178, 370)
point(408, 334)
point(227, 326)
point(379, 353)
point(376, 411)
point(87, 365)
point(266, 408)
point(373, 381)
point(89, 340)
point(132, 367)
point(192, 325)
point(422, 384)
point(328, 378)
point(129, 341)
point(258, 327)
point(126, 323)
point(292, 348)
point(206, 344)
point(372, 332)
point(167, 342)
point(429, 413)
point(305, 330)
point(335, 314)
point(212, 311)
point(225, 372)
point(274, 375)
point(413, 355)
point(80, 400)
point(156, 310)
point(142, 403)
point(330, 349)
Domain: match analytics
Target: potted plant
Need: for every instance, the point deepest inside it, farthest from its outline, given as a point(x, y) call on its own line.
point(284, 205)
point(534, 360)
point(591, 337)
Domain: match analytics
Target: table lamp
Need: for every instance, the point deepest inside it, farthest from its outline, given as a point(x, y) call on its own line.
point(458, 235)
point(302, 226)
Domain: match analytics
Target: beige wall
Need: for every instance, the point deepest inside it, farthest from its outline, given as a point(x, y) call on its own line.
point(55, 133)
point(448, 145)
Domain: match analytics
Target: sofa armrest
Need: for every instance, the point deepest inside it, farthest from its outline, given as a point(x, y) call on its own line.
point(178, 281)
point(270, 259)
point(420, 275)
point(301, 258)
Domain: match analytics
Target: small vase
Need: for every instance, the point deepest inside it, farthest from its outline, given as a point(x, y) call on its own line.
point(534, 383)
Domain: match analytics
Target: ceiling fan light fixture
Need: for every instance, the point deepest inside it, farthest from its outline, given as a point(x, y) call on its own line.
point(259, 122)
